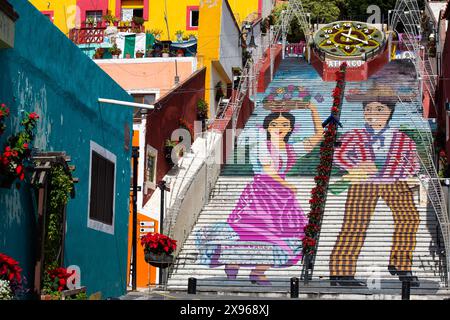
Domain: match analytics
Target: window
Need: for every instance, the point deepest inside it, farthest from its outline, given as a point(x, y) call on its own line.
point(148, 98)
point(192, 18)
point(138, 13)
point(48, 14)
point(150, 168)
point(102, 178)
point(94, 15)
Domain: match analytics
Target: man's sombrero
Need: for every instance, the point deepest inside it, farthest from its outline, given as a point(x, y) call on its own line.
point(378, 92)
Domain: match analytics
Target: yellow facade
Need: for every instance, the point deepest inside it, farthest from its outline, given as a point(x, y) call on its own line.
point(243, 9)
point(64, 12)
point(66, 16)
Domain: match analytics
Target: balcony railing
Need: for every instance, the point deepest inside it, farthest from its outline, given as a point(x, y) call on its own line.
point(95, 33)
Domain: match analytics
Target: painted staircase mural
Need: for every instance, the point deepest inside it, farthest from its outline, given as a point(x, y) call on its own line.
point(378, 227)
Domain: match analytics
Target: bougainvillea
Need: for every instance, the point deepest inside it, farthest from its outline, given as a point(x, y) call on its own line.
point(158, 243)
point(322, 178)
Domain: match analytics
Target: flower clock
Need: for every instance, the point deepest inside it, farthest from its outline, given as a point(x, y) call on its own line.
point(158, 249)
point(349, 39)
point(322, 178)
point(16, 151)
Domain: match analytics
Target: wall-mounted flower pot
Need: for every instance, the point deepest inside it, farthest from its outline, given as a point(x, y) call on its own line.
point(168, 155)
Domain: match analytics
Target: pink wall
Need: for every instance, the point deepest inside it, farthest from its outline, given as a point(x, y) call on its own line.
point(90, 5)
point(134, 74)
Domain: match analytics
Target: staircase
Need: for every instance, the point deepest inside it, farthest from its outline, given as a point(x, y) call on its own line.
point(225, 235)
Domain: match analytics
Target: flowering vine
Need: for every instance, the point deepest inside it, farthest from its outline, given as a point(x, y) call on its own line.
point(322, 178)
point(17, 147)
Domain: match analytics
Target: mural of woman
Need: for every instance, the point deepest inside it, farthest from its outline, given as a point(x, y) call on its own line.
point(266, 226)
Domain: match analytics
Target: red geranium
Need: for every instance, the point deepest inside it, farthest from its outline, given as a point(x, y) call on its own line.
point(59, 278)
point(158, 243)
point(9, 269)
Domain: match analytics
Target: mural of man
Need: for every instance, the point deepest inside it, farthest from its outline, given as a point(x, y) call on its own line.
point(379, 159)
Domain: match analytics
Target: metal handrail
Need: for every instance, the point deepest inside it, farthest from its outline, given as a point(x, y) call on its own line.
point(438, 203)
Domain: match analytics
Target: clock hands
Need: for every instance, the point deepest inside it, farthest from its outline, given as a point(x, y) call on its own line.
point(349, 32)
point(354, 38)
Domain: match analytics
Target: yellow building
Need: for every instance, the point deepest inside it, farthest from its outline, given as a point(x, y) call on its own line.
point(168, 16)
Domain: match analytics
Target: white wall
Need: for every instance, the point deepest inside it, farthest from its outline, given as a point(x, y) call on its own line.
point(267, 7)
point(230, 50)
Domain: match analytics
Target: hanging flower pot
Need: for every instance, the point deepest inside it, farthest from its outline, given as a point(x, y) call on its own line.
point(159, 260)
point(158, 249)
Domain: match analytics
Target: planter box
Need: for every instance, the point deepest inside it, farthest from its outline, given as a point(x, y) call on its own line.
point(64, 294)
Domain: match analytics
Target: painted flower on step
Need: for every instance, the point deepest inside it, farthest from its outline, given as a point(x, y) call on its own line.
point(287, 96)
point(280, 90)
point(291, 88)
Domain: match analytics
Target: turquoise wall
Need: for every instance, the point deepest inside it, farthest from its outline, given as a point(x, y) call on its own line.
point(48, 74)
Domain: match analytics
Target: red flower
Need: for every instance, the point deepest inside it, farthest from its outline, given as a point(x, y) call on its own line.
point(25, 145)
point(33, 116)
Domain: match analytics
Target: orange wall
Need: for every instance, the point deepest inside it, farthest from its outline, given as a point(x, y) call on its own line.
point(158, 75)
point(146, 274)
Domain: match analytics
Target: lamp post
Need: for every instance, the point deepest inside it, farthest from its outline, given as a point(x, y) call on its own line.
point(135, 156)
point(135, 189)
point(163, 187)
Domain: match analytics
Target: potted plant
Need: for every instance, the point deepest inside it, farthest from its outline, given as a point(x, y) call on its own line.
point(179, 35)
point(90, 22)
point(110, 19)
point(191, 37)
point(165, 53)
point(202, 109)
point(55, 285)
point(99, 52)
point(180, 53)
point(10, 278)
point(149, 52)
point(157, 52)
point(115, 51)
point(156, 33)
point(158, 249)
point(168, 147)
point(138, 21)
point(202, 112)
point(139, 54)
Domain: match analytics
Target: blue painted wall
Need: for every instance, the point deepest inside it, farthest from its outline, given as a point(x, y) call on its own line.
point(48, 74)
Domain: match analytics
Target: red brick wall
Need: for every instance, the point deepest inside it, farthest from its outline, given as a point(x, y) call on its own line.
point(179, 103)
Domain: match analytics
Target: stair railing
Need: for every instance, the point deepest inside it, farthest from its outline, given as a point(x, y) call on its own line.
point(431, 182)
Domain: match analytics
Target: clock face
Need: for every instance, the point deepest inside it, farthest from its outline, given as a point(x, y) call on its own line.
point(348, 38)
